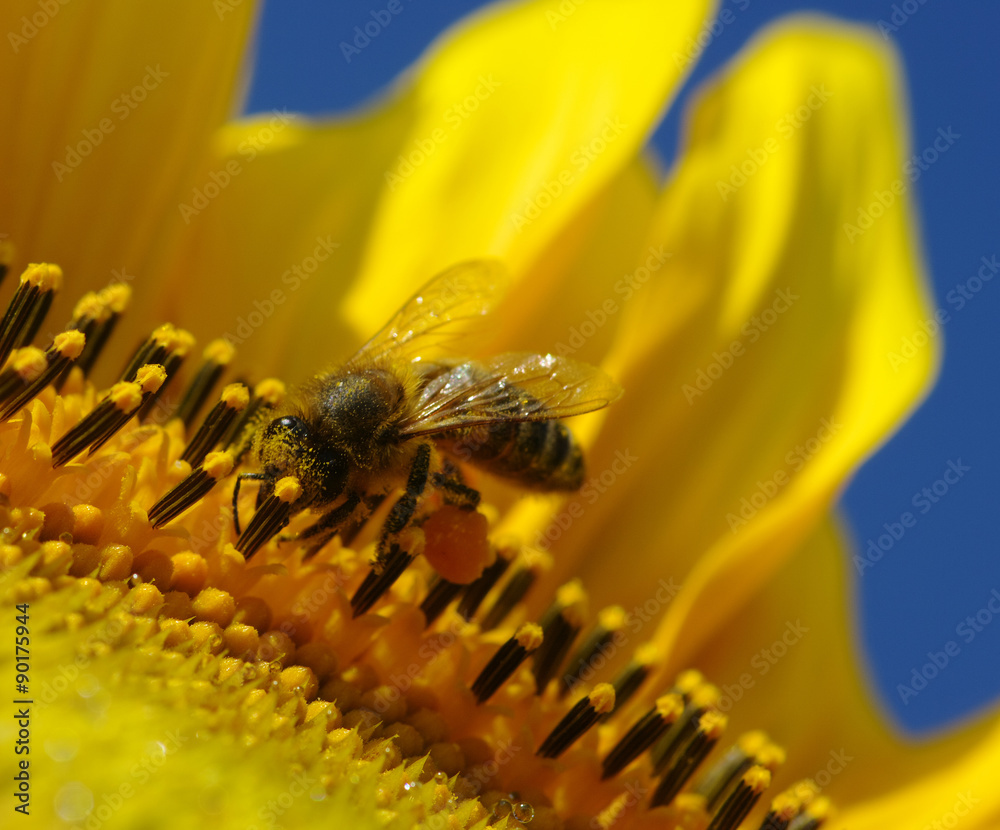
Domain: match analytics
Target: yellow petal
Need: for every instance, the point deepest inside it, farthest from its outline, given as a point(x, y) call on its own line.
point(786, 323)
point(505, 105)
point(109, 107)
point(789, 664)
point(272, 230)
point(521, 118)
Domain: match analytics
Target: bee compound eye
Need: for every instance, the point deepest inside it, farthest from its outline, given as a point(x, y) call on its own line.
point(290, 430)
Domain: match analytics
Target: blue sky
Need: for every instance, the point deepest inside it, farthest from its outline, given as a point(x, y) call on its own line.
point(933, 585)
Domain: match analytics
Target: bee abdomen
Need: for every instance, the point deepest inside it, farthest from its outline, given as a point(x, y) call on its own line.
point(539, 454)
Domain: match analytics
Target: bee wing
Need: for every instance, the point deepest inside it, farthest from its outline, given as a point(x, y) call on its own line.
point(510, 387)
point(436, 312)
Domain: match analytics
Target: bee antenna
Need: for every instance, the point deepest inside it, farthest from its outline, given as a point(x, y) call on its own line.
point(236, 496)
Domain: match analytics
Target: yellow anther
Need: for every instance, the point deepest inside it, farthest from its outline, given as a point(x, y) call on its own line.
point(69, 343)
point(151, 377)
point(29, 363)
point(236, 396)
point(288, 489)
point(218, 464)
point(271, 391)
point(43, 275)
point(529, 636)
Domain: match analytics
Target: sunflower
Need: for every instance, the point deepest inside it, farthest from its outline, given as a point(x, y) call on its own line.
point(748, 306)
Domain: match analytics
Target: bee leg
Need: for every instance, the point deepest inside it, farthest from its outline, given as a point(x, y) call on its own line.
point(403, 510)
point(351, 530)
point(455, 491)
point(326, 525)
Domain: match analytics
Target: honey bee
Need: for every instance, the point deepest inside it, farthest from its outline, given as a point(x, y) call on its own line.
point(401, 414)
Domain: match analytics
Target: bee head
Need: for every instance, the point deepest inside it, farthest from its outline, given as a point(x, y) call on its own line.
point(288, 447)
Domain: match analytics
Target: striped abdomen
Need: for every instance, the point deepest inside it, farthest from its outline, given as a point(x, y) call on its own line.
point(543, 455)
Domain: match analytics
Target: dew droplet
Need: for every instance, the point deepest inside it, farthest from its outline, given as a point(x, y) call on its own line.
point(523, 812)
point(74, 801)
point(441, 777)
point(502, 808)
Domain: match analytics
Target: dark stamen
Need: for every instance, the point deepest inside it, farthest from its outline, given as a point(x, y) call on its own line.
point(752, 749)
point(630, 678)
point(578, 720)
point(267, 395)
point(707, 734)
point(271, 516)
point(28, 306)
point(28, 376)
point(439, 597)
point(192, 489)
point(813, 816)
point(234, 400)
point(513, 592)
point(379, 580)
point(609, 622)
point(217, 356)
point(110, 415)
point(164, 341)
point(174, 345)
point(476, 592)
point(560, 625)
point(786, 806)
point(741, 800)
point(700, 700)
point(150, 380)
point(646, 731)
point(503, 664)
point(6, 257)
point(96, 315)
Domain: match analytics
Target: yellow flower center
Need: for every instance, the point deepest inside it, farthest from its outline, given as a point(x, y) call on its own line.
point(443, 696)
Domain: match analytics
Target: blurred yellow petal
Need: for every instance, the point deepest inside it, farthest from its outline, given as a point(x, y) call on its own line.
point(757, 363)
point(118, 101)
point(275, 223)
point(789, 664)
point(514, 122)
point(528, 115)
